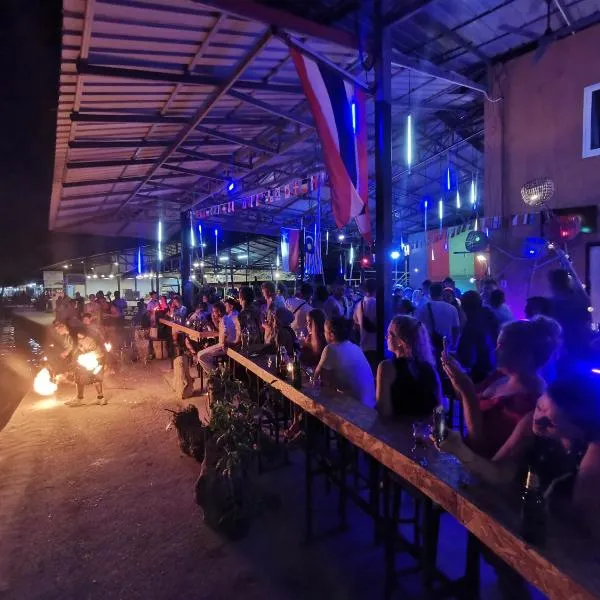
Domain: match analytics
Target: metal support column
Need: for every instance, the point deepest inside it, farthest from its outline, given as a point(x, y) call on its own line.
point(383, 173)
point(186, 261)
point(302, 256)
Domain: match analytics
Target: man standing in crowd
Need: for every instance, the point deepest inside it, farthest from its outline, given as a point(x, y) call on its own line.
point(365, 320)
point(273, 302)
point(299, 306)
point(120, 304)
point(569, 306)
point(440, 318)
point(421, 297)
point(336, 304)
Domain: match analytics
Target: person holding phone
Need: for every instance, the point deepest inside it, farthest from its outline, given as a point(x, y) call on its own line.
point(494, 408)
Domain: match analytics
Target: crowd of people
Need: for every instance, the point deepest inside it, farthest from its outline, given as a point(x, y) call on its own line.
point(527, 388)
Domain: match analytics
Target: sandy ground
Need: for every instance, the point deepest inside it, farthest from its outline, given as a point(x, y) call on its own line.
point(96, 502)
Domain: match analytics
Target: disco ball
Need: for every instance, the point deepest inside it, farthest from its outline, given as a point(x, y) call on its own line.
point(476, 241)
point(537, 191)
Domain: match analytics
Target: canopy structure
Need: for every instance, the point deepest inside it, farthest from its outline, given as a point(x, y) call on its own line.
point(164, 103)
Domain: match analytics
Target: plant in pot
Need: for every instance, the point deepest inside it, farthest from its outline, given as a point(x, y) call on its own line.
point(224, 488)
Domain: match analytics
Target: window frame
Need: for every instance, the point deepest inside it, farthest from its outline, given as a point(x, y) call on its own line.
point(588, 92)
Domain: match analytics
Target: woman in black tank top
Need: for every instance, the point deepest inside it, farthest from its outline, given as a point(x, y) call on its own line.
point(408, 385)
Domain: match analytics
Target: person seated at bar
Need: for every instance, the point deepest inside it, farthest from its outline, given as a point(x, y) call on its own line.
point(559, 440)
point(232, 309)
point(313, 346)
point(249, 316)
point(409, 383)
point(343, 364)
point(197, 316)
point(475, 350)
point(226, 329)
point(493, 409)
point(282, 333)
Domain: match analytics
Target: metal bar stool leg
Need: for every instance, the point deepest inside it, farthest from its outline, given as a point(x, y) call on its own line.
point(308, 481)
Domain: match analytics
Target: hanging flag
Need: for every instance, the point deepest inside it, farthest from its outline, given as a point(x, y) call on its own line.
point(312, 252)
point(331, 98)
point(290, 249)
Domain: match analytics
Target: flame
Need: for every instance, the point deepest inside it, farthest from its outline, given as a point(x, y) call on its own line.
point(43, 384)
point(89, 361)
point(108, 346)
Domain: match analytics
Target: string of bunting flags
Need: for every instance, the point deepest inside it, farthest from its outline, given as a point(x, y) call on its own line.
point(298, 187)
point(479, 224)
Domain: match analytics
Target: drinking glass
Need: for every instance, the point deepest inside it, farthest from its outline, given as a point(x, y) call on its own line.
point(421, 431)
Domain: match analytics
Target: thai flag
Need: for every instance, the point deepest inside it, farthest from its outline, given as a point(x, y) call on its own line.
point(290, 249)
point(339, 112)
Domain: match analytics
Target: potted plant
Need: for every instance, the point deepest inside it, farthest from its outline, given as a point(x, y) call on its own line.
point(224, 488)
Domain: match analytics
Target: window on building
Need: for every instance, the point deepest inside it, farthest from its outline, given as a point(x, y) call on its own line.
point(591, 121)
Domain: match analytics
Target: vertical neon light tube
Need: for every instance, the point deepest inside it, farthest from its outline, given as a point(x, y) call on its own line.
point(216, 244)
point(409, 142)
point(327, 243)
point(160, 237)
point(353, 108)
point(457, 198)
point(139, 261)
point(441, 211)
point(192, 235)
point(448, 179)
point(473, 192)
point(201, 241)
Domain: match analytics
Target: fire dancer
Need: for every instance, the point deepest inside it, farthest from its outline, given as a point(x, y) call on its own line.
point(88, 365)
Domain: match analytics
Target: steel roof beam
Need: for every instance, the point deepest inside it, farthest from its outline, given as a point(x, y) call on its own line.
point(234, 139)
point(399, 59)
point(403, 13)
point(204, 109)
point(274, 110)
point(222, 159)
point(72, 184)
point(161, 120)
point(109, 144)
point(184, 171)
point(85, 68)
point(253, 11)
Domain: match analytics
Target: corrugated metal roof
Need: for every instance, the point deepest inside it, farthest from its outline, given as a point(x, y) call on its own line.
point(149, 125)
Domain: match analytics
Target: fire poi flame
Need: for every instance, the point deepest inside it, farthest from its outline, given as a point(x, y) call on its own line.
point(89, 361)
point(43, 384)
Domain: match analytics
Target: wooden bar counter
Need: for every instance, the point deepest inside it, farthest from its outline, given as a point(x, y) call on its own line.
point(568, 567)
point(191, 333)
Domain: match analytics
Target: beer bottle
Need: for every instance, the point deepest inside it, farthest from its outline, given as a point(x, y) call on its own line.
point(533, 510)
point(297, 372)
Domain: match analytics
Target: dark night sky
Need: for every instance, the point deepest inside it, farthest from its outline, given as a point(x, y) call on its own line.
point(29, 63)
